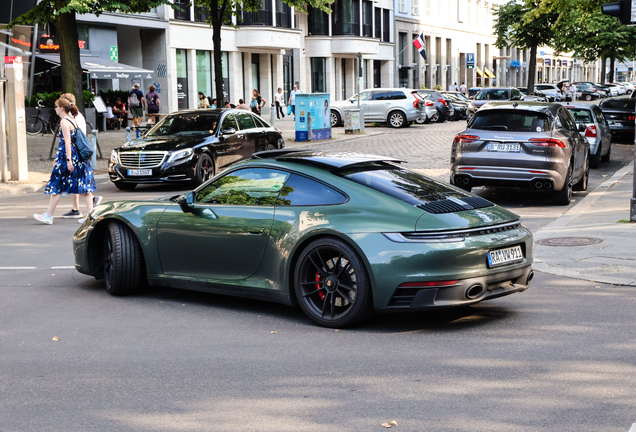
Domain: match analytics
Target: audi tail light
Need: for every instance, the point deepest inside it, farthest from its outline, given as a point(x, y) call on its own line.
point(590, 132)
point(547, 142)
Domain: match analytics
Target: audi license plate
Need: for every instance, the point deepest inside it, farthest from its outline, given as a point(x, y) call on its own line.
point(505, 256)
point(504, 147)
point(139, 172)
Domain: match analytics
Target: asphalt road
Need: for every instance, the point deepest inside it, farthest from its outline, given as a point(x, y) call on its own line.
point(560, 356)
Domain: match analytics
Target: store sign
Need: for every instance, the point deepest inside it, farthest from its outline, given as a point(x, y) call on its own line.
point(540, 61)
point(114, 54)
point(515, 63)
point(182, 93)
point(564, 63)
point(470, 60)
point(50, 44)
point(548, 62)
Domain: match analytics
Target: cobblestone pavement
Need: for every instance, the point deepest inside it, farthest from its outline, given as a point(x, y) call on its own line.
point(426, 148)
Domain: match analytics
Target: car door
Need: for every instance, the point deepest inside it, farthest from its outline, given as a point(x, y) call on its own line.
point(250, 131)
point(264, 136)
point(377, 105)
point(229, 147)
point(576, 140)
point(225, 235)
point(603, 129)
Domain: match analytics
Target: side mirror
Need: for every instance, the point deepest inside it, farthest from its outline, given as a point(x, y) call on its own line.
point(228, 131)
point(186, 202)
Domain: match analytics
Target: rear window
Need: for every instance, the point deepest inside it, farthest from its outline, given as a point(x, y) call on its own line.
point(510, 120)
point(407, 186)
point(621, 103)
point(493, 94)
point(581, 115)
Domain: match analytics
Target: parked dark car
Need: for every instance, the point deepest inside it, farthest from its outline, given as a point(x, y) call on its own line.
point(444, 108)
point(587, 92)
point(536, 96)
point(492, 94)
point(459, 103)
point(522, 144)
point(190, 146)
point(602, 90)
point(620, 113)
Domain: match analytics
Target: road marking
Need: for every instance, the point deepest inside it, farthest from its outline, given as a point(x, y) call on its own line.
point(18, 268)
point(13, 217)
point(633, 428)
point(63, 268)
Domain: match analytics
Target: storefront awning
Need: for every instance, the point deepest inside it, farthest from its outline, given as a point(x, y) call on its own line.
point(489, 74)
point(99, 68)
point(479, 72)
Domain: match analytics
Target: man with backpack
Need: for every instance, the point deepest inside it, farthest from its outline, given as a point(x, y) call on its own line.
point(137, 105)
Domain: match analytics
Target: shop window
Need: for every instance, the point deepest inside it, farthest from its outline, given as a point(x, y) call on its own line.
point(182, 79)
point(204, 72)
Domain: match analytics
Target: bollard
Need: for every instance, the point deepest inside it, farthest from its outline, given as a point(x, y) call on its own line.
point(272, 114)
point(94, 142)
point(137, 132)
point(308, 125)
point(127, 133)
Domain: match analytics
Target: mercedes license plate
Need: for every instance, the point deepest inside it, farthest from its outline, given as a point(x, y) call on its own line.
point(505, 256)
point(504, 147)
point(139, 172)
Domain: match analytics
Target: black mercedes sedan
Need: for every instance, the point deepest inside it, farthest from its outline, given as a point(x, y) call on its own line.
point(191, 146)
point(620, 113)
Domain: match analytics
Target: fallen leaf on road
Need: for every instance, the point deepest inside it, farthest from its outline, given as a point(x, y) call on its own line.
point(393, 422)
point(273, 332)
point(56, 338)
point(336, 330)
point(386, 425)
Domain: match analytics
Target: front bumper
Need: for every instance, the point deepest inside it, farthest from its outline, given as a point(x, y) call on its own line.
point(174, 173)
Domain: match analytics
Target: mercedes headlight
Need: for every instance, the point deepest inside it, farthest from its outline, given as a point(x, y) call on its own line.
point(113, 156)
point(181, 154)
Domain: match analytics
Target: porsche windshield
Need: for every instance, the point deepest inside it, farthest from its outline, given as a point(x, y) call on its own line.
point(186, 124)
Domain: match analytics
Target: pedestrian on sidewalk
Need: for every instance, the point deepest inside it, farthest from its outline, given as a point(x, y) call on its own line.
point(75, 213)
point(242, 105)
point(573, 92)
point(137, 105)
point(279, 98)
point(257, 102)
point(152, 101)
point(71, 174)
point(292, 99)
point(462, 88)
point(204, 102)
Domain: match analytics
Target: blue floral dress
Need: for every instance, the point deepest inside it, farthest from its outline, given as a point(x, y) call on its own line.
point(63, 181)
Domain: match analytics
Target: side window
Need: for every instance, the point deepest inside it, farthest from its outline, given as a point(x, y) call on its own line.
point(364, 96)
point(515, 92)
point(566, 120)
point(379, 96)
point(599, 115)
point(397, 95)
point(248, 186)
point(301, 191)
point(246, 121)
point(259, 123)
point(229, 122)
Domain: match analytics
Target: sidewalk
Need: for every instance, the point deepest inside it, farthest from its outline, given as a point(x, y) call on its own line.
point(589, 241)
point(39, 147)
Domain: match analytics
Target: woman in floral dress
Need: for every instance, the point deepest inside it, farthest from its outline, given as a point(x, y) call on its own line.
point(71, 174)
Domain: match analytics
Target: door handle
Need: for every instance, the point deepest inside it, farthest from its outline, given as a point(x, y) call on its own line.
point(256, 231)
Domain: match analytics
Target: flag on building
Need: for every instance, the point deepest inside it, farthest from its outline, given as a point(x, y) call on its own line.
point(420, 45)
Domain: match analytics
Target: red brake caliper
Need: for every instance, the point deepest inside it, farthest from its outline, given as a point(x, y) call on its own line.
point(320, 293)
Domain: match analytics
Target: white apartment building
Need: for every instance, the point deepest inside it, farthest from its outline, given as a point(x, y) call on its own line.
point(277, 46)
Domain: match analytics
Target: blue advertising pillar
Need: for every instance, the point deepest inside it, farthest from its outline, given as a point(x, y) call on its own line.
point(316, 107)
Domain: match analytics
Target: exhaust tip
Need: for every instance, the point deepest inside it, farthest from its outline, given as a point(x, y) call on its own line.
point(530, 277)
point(538, 185)
point(474, 291)
point(547, 185)
point(466, 180)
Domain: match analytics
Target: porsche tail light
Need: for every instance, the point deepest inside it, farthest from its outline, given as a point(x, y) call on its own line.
point(427, 284)
point(590, 132)
point(547, 142)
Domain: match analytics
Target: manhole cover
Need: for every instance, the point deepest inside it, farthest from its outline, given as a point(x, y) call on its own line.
point(570, 241)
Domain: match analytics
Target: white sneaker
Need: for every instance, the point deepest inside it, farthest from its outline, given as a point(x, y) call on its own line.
point(44, 218)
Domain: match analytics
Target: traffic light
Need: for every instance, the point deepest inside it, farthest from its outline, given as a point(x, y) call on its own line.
point(624, 10)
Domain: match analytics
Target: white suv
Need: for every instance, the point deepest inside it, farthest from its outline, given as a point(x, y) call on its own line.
point(395, 106)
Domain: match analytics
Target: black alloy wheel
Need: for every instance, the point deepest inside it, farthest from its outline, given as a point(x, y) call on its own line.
point(121, 260)
point(564, 196)
point(606, 157)
point(332, 285)
point(205, 169)
point(440, 117)
point(595, 159)
point(581, 185)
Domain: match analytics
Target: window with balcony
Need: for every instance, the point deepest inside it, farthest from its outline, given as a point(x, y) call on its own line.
point(346, 17)
point(261, 16)
point(378, 23)
point(183, 14)
point(367, 18)
point(283, 15)
point(201, 14)
point(318, 22)
point(386, 25)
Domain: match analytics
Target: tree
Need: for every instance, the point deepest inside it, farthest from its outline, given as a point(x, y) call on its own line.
point(222, 11)
point(62, 14)
point(518, 24)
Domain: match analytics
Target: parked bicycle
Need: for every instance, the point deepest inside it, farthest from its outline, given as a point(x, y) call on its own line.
point(36, 124)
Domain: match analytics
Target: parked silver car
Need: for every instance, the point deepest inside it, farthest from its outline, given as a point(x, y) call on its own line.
point(552, 90)
point(522, 144)
point(594, 127)
point(395, 106)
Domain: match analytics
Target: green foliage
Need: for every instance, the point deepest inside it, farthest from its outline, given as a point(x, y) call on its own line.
point(88, 98)
point(438, 87)
point(520, 24)
point(423, 87)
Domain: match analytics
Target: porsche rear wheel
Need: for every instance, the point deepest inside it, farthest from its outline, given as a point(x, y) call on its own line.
point(332, 285)
point(121, 259)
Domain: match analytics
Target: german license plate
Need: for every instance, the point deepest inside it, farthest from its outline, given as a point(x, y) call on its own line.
point(504, 147)
point(505, 256)
point(139, 172)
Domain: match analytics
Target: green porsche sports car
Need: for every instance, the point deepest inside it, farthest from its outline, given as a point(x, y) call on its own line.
point(342, 235)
